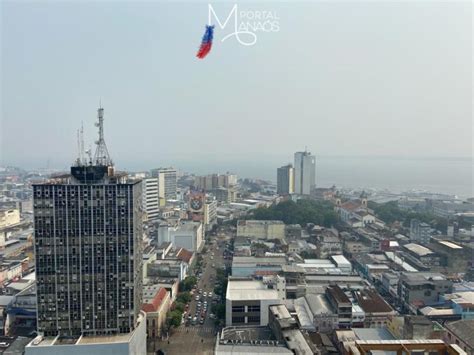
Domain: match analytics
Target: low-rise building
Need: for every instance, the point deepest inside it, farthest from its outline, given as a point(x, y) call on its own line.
point(461, 333)
point(342, 263)
point(318, 283)
point(244, 266)
point(169, 284)
point(377, 310)
point(9, 217)
point(225, 194)
point(422, 254)
point(156, 302)
point(328, 243)
point(261, 229)
point(249, 340)
point(420, 232)
point(286, 330)
point(341, 305)
point(185, 234)
point(295, 281)
point(247, 301)
point(354, 247)
point(390, 282)
point(417, 289)
point(21, 312)
point(461, 302)
point(315, 313)
point(120, 344)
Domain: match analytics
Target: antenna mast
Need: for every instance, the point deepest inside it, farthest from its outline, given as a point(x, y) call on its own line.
point(78, 159)
point(81, 145)
point(101, 156)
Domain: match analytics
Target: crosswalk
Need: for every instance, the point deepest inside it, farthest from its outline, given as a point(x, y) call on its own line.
point(195, 329)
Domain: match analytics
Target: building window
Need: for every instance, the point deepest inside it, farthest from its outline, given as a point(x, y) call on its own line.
point(253, 319)
point(236, 320)
point(238, 309)
point(253, 308)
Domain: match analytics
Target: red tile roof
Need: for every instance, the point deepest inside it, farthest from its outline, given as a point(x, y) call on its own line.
point(184, 255)
point(350, 205)
point(156, 301)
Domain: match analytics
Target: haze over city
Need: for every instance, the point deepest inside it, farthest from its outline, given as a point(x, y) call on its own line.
point(259, 178)
point(343, 79)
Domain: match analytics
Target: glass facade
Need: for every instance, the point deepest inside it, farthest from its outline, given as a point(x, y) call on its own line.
point(88, 256)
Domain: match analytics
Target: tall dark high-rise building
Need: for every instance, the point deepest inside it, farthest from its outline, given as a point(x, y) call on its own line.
point(286, 180)
point(88, 248)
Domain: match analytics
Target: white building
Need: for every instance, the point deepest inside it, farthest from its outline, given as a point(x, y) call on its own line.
point(305, 172)
point(420, 231)
point(356, 213)
point(120, 344)
point(151, 198)
point(210, 213)
point(186, 234)
point(9, 217)
point(342, 263)
point(247, 301)
point(167, 182)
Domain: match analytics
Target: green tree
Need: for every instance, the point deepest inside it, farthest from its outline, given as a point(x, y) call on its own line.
point(219, 310)
point(188, 283)
point(221, 283)
point(390, 212)
point(173, 318)
point(179, 306)
point(183, 297)
point(300, 212)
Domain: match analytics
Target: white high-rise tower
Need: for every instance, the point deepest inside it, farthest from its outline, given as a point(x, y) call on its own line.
point(305, 172)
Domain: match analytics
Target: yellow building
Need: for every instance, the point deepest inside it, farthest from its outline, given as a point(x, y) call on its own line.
point(157, 301)
point(9, 217)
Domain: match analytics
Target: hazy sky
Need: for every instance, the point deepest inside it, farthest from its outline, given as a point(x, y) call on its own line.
point(343, 78)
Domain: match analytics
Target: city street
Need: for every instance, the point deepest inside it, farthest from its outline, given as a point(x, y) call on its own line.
point(199, 338)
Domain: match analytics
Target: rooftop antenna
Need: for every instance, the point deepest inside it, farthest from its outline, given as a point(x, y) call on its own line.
point(80, 146)
point(78, 160)
point(101, 156)
point(82, 154)
point(89, 154)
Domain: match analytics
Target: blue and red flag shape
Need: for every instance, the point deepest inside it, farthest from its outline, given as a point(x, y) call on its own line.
point(206, 43)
